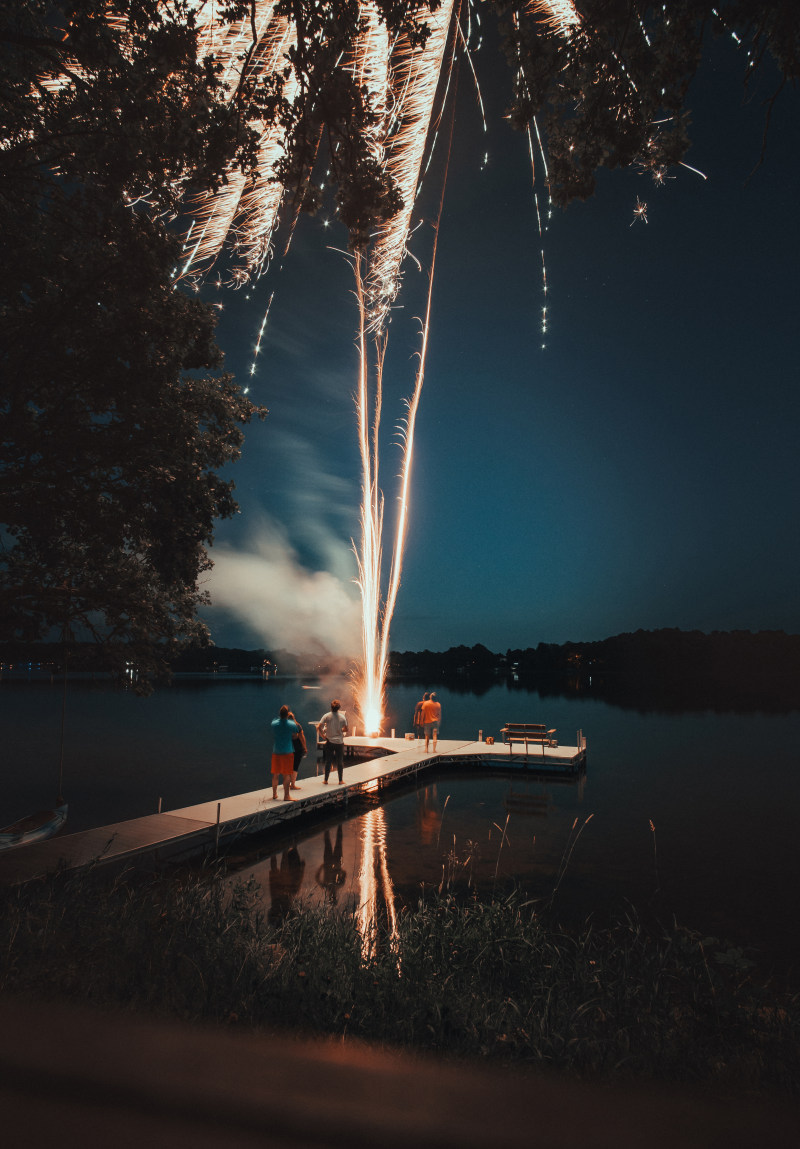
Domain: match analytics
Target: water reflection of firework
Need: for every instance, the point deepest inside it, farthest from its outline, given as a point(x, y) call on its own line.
point(376, 910)
point(346, 869)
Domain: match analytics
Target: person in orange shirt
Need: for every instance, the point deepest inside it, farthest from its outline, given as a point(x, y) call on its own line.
point(431, 717)
point(418, 715)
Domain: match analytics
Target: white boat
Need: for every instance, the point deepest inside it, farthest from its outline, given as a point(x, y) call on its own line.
point(35, 828)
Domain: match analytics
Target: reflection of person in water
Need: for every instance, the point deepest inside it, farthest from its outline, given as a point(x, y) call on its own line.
point(429, 816)
point(330, 875)
point(284, 883)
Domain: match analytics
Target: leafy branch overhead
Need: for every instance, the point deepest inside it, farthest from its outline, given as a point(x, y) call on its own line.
point(115, 419)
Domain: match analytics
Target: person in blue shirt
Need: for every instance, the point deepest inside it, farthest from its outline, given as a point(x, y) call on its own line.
point(283, 752)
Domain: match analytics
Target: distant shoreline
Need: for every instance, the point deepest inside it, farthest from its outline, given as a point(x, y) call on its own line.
point(665, 669)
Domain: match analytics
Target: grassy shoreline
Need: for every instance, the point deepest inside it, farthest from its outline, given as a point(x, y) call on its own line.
point(485, 980)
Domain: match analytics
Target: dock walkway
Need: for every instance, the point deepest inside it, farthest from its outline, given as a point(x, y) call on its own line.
point(247, 813)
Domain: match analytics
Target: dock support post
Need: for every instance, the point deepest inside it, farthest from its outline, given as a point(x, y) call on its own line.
point(216, 834)
point(159, 805)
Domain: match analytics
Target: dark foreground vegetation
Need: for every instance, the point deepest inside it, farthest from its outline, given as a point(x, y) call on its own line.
point(488, 981)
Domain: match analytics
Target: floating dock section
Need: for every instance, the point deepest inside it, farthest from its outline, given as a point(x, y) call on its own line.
point(383, 762)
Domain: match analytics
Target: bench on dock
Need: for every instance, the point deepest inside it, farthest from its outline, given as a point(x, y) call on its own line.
point(528, 732)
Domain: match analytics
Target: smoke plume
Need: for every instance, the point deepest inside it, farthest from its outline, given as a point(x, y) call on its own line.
point(286, 604)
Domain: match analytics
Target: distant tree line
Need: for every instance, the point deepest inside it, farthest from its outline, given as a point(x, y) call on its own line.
point(200, 658)
point(662, 670)
point(666, 669)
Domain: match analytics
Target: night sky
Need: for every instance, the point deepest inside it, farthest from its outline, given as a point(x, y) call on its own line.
point(640, 471)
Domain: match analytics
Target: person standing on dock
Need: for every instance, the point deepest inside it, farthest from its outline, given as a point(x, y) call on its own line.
point(299, 748)
point(282, 752)
point(431, 717)
point(333, 727)
point(418, 724)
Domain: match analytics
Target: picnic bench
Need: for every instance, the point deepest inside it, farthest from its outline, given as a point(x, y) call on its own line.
point(536, 733)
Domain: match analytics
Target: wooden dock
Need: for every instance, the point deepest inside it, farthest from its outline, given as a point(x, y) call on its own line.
point(209, 822)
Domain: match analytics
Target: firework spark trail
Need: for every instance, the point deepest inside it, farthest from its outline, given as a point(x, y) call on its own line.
point(415, 79)
point(369, 681)
point(539, 219)
point(405, 476)
point(464, 39)
point(558, 19)
point(260, 203)
point(261, 330)
point(559, 16)
point(370, 68)
point(376, 621)
point(248, 206)
point(231, 44)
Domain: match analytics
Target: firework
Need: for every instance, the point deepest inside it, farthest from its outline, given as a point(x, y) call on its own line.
point(399, 82)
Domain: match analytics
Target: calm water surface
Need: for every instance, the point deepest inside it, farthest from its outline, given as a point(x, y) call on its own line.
point(721, 791)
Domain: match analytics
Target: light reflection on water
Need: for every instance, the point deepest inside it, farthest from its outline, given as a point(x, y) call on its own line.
point(375, 892)
point(448, 835)
point(345, 866)
point(473, 835)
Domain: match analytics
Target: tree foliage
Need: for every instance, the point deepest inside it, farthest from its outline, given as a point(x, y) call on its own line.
point(114, 418)
point(614, 92)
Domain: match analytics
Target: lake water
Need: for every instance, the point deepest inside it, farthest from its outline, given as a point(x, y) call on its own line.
point(722, 792)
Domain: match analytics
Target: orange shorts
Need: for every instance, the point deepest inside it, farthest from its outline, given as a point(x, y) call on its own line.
point(283, 763)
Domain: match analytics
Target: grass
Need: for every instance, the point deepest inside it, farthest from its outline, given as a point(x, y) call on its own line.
point(468, 978)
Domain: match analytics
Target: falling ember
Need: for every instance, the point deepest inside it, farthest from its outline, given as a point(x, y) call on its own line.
point(639, 212)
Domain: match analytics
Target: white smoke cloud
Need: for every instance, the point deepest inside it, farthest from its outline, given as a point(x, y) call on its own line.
point(287, 605)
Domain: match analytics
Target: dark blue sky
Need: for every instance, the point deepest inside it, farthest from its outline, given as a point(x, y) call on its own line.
point(641, 471)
